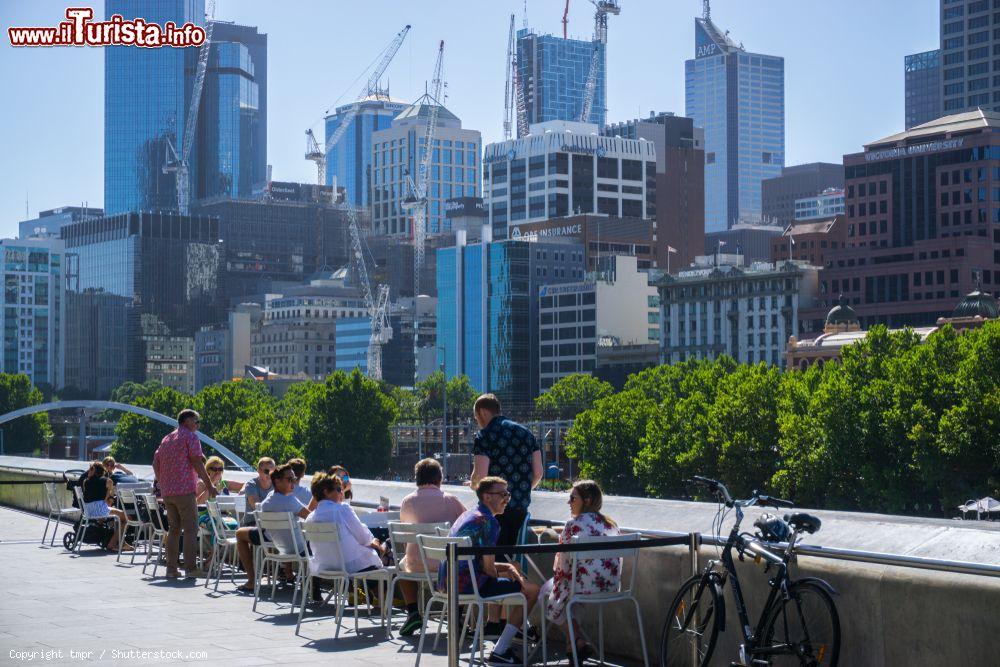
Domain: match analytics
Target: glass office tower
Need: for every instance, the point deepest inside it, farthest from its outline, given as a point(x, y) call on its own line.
point(228, 155)
point(146, 97)
point(351, 158)
point(923, 87)
point(491, 334)
point(553, 74)
point(739, 98)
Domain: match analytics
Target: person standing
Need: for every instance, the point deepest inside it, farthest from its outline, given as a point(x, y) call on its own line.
point(177, 465)
point(506, 449)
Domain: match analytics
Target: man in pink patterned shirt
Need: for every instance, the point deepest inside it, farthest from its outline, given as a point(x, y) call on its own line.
point(177, 465)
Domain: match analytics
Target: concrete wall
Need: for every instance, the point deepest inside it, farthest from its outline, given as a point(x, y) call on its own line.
point(889, 616)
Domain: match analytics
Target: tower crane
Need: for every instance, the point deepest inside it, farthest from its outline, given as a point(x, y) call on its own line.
point(514, 94)
point(603, 8)
point(377, 304)
point(177, 163)
point(317, 153)
point(417, 201)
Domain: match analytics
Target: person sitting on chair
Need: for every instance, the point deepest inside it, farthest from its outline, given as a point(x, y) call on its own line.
point(592, 576)
point(493, 579)
point(98, 495)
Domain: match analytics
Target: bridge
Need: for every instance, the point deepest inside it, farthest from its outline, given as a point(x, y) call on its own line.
point(912, 591)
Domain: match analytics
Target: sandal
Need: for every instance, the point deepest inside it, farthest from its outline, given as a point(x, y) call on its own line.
point(245, 588)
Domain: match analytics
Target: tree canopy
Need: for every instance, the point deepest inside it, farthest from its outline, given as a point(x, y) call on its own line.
point(26, 434)
point(571, 395)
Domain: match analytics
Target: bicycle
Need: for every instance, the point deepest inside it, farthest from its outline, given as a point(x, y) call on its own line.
point(798, 625)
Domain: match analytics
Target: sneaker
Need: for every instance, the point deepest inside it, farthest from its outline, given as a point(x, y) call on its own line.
point(507, 658)
point(412, 624)
point(534, 636)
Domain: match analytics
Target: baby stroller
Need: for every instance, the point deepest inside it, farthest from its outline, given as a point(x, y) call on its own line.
point(98, 532)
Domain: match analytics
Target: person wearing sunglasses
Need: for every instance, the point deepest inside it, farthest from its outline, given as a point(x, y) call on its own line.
point(259, 487)
point(339, 472)
point(481, 526)
point(215, 467)
point(178, 465)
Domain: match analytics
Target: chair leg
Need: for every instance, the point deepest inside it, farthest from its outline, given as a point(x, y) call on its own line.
point(80, 532)
point(642, 634)
point(544, 631)
point(45, 533)
point(306, 586)
point(341, 603)
point(52, 540)
point(572, 634)
point(600, 631)
point(423, 629)
point(258, 573)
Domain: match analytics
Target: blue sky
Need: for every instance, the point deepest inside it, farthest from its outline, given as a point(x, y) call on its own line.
point(843, 74)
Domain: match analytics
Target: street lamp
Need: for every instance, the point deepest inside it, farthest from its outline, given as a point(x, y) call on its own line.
point(444, 415)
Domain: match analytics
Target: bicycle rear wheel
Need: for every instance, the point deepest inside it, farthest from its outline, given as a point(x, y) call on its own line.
point(692, 625)
point(802, 630)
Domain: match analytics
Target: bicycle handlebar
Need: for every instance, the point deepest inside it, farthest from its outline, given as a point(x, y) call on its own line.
point(772, 501)
point(718, 487)
point(715, 487)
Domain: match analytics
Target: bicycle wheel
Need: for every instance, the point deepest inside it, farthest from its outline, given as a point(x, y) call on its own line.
point(803, 629)
point(692, 626)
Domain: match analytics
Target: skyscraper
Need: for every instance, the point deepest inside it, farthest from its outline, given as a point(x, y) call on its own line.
point(454, 166)
point(232, 120)
point(553, 75)
point(967, 49)
point(146, 97)
point(923, 87)
point(351, 158)
point(739, 98)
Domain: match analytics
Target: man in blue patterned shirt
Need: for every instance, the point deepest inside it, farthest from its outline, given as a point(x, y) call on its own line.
point(505, 449)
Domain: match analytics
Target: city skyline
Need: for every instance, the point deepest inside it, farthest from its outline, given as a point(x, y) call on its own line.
point(62, 164)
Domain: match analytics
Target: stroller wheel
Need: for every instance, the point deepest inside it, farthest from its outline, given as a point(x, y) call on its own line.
point(69, 540)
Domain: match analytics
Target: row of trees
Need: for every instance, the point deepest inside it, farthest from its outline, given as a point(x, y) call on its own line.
point(896, 426)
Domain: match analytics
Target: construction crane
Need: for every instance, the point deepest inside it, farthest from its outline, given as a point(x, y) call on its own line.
point(314, 151)
point(565, 20)
point(178, 163)
point(417, 201)
point(377, 305)
point(514, 93)
point(603, 7)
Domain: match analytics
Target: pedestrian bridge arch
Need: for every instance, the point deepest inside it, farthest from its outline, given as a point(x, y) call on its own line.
point(97, 406)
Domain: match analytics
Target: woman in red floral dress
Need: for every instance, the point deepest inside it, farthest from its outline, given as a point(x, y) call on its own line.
point(592, 575)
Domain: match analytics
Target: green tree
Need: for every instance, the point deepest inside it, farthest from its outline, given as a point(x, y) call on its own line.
point(571, 395)
point(130, 391)
point(344, 420)
point(244, 417)
point(137, 437)
point(29, 433)
point(461, 397)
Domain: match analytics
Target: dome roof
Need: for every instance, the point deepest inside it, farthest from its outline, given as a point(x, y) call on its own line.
point(842, 313)
point(978, 303)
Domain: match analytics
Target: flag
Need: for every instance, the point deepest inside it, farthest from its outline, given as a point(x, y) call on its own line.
point(722, 243)
point(671, 249)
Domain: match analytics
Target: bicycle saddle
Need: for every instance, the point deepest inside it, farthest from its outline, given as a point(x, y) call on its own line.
point(804, 523)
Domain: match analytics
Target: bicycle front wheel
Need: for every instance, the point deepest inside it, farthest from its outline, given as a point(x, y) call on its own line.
point(692, 625)
point(803, 629)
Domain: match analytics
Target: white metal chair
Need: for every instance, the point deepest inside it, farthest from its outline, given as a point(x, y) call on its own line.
point(224, 548)
point(57, 512)
point(316, 533)
point(383, 578)
point(620, 593)
point(126, 498)
point(158, 533)
point(86, 520)
point(400, 535)
point(277, 553)
point(435, 548)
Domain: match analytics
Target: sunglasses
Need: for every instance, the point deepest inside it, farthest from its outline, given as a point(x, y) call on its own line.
point(215, 469)
point(505, 494)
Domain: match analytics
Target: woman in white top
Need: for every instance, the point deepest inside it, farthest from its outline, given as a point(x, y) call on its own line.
point(361, 551)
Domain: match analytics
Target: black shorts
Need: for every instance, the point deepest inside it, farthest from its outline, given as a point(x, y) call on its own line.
point(494, 587)
point(255, 536)
point(511, 522)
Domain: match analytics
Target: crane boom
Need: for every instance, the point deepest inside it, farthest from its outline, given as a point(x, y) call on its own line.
point(591, 88)
point(508, 94)
point(377, 305)
point(313, 151)
point(180, 163)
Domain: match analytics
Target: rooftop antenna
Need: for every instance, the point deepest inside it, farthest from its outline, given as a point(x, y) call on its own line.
point(706, 10)
point(525, 16)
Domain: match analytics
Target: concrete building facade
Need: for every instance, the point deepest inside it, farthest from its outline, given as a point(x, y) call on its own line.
point(566, 168)
point(826, 204)
point(617, 307)
point(797, 182)
point(747, 314)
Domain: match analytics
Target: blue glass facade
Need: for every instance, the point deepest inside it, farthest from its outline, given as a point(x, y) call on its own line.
point(353, 334)
point(146, 95)
point(922, 72)
point(553, 73)
point(490, 333)
point(351, 158)
point(228, 125)
point(739, 99)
